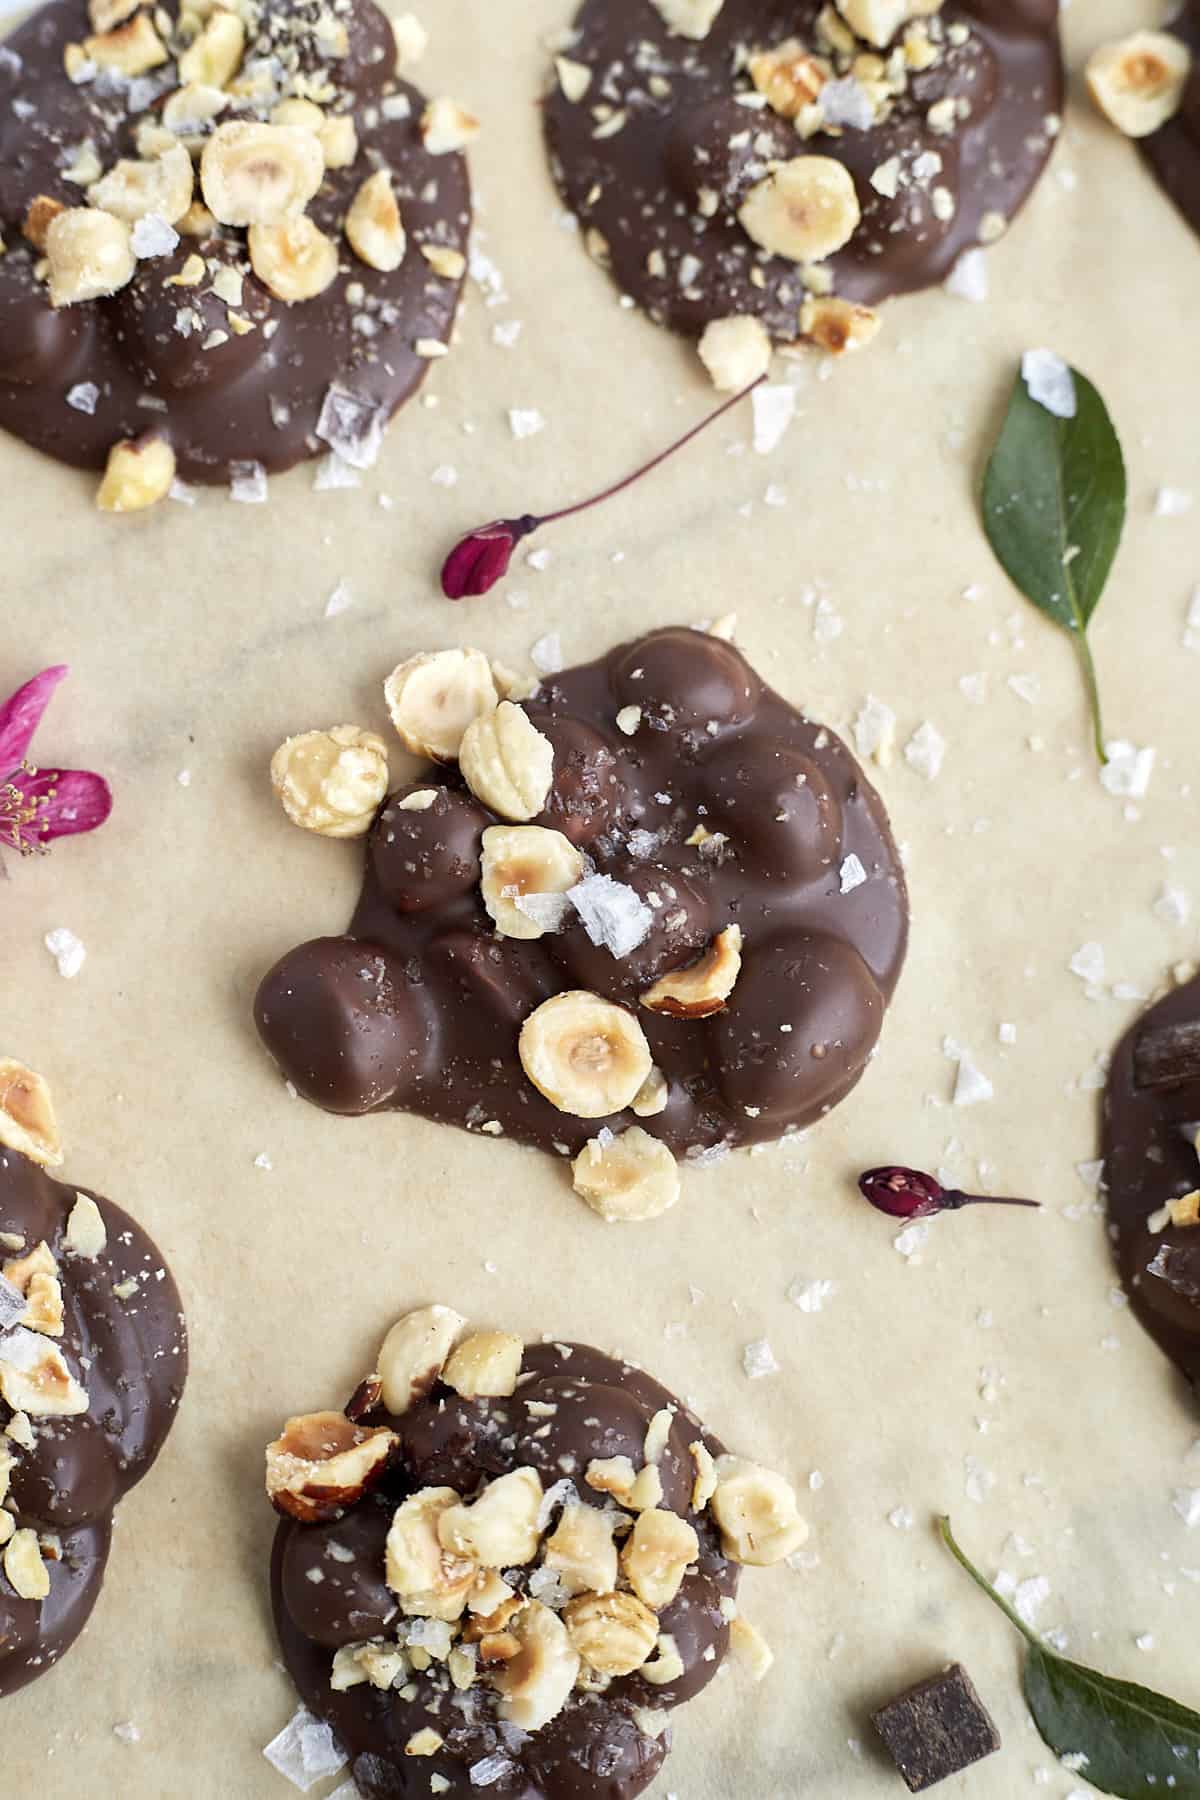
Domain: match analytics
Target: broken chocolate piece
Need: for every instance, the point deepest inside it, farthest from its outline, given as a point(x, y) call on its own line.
point(1165, 1056)
point(936, 1729)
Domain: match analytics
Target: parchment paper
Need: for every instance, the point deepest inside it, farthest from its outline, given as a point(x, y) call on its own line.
point(197, 639)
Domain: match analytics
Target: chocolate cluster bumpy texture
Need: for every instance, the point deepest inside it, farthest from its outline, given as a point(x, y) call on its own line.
point(93, 1358)
point(654, 891)
point(236, 230)
point(1173, 152)
point(504, 1565)
point(1152, 1172)
point(739, 159)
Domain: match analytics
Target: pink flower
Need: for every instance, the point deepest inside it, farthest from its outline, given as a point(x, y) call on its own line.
point(38, 805)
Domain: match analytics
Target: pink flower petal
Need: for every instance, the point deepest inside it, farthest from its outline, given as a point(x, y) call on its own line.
point(21, 715)
point(68, 801)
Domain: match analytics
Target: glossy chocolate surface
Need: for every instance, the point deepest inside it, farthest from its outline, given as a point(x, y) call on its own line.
point(420, 1005)
point(131, 1356)
point(639, 186)
point(595, 1749)
point(1150, 1158)
point(152, 350)
point(1174, 152)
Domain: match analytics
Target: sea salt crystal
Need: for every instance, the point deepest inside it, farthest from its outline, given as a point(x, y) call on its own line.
point(127, 1732)
point(973, 688)
point(1172, 905)
point(774, 408)
point(1191, 631)
point(901, 1518)
point(305, 1751)
point(852, 874)
point(525, 422)
point(334, 472)
point(978, 1481)
point(1007, 1032)
point(445, 476)
point(549, 911)
point(67, 950)
point(1050, 382)
point(1027, 1597)
point(968, 279)
point(152, 236)
point(1026, 687)
point(1145, 1641)
point(1172, 503)
point(827, 621)
point(925, 751)
point(339, 601)
point(351, 425)
point(181, 493)
point(811, 1296)
point(912, 1240)
point(758, 1359)
point(248, 483)
point(1127, 770)
point(83, 396)
point(12, 1304)
point(846, 102)
point(505, 333)
point(1091, 1173)
point(490, 1769)
point(548, 1587)
point(555, 1496)
point(1088, 963)
point(1186, 1502)
point(971, 1085)
point(875, 730)
point(614, 916)
point(547, 654)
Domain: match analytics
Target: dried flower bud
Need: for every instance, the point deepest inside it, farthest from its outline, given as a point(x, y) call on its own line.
point(911, 1194)
point(481, 559)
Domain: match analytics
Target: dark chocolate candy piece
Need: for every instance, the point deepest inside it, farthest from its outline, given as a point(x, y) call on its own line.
point(936, 1729)
point(328, 1590)
point(421, 1004)
point(1150, 1158)
point(127, 1345)
point(165, 357)
point(663, 190)
point(1174, 152)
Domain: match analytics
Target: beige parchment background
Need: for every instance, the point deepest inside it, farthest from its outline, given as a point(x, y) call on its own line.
point(197, 639)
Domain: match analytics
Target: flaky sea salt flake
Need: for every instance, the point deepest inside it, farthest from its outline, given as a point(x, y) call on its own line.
point(925, 751)
point(968, 279)
point(305, 1751)
point(774, 408)
point(67, 950)
point(614, 915)
point(351, 425)
point(1050, 382)
point(758, 1359)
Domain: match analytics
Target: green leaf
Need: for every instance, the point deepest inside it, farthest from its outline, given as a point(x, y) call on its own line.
point(1139, 1745)
point(1054, 510)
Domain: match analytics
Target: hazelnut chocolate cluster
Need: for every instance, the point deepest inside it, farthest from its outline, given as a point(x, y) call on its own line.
point(511, 1562)
point(647, 912)
point(232, 236)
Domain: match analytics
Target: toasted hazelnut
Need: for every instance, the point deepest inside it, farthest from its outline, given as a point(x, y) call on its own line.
point(499, 1647)
point(432, 698)
point(588, 1056)
point(705, 1484)
point(294, 259)
point(536, 1685)
point(613, 1633)
point(216, 55)
point(735, 351)
point(652, 1097)
point(190, 110)
point(259, 174)
point(451, 265)
point(629, 1178)
point(130, 190)
point(490, 1592)
point(757, 1513)
point(656, 1556)
point(39, 215)
point(44, 1306)
point(133, 48)
point(525, 859)
point(138, 474)
point(751, 1647)
point(106, 15)
point(612, 1475)
point(27, 1121)
point(581, 1550)
point(152, 140)
point(431, 1581)
point(86, 1234)
point(789, 77)
point(574, 78)
point(338, 139)
point(89, 255)
point(383, 1665)
point(647, 1490)
point(24, 1567)
point(322, 1463)
point(667, 1665)
point(374, 226)
point(425, 1742)
point(1138, 83)
point(688, 18)
point(446, 126)
point(507, 763)
point(304, 113)
point(412, 39)
point(878, 21)
point(804, 210)
point(704, 986)
point(500, 1528)
point(413, 1354)
point(1186, 1210)
point(485, 1365)
point(34, 1378)
point(196, 222)
point(837, 326)
point(19, 1271)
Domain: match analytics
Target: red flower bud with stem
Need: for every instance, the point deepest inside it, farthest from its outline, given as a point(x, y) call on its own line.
point(910, 1194)
point(479, 560)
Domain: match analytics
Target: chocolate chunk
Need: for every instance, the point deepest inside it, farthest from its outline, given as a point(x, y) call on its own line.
point(942, 158)
point(223, 369)
point(1174, 151)
point(1168, 1055)
point(124, 1343)
point(724, 806)
point(936, 1729)
point(1150, 1158)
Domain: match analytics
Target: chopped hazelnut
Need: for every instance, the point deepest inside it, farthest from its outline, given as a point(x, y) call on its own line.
point(485, 1365)
point(629, 1178)
point(704, 986)
point(27, 1121)
point(507, 762)
point(331, 782)
point(323, 1463)
point(656, 1556)
point(613, 1633)
point(414, 1353)
point(139, 474)
point(588, 1056)
point(446, 126)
